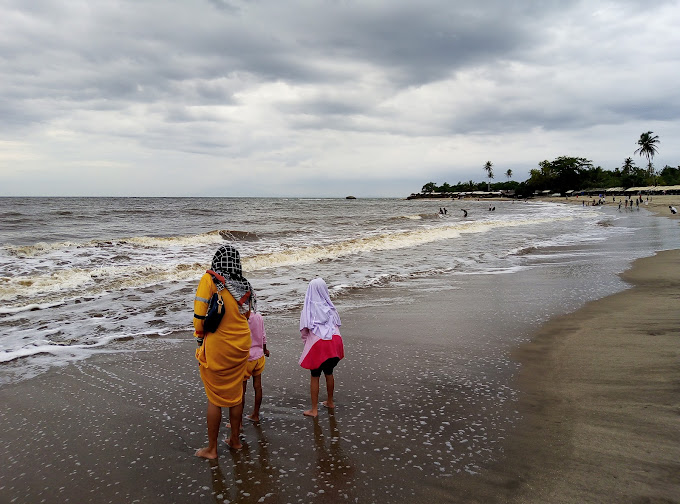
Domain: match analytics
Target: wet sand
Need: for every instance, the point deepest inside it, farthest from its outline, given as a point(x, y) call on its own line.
point(595, 419)
point(601, 398)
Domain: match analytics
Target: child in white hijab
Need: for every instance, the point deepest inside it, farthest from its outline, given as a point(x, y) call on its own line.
point(320, 331)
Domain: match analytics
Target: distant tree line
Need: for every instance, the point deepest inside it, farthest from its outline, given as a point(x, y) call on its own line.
point(567, 173)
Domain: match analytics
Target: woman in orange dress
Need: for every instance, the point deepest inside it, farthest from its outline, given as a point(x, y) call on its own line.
point(223, 355)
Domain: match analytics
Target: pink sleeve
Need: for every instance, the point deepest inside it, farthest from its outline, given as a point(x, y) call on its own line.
point(264, 333)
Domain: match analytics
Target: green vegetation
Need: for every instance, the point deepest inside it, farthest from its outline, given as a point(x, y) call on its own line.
point(648, 148)
point(567, 173)
point(489, 173)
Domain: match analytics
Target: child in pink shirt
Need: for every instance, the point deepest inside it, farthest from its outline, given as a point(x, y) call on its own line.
point(258, 351)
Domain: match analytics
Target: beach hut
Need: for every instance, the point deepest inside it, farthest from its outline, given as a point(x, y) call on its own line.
point(481, 194)
point(673, 189)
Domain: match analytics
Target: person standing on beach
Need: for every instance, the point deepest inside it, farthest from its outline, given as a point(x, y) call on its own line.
point(223, 355)
point(320, 331)
point(258, 352)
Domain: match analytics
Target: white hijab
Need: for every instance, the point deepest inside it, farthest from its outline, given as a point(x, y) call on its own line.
point(318, 313)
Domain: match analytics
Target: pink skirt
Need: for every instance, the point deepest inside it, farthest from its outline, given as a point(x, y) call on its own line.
point(323, 350)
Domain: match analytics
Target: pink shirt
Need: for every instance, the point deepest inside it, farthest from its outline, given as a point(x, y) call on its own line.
point(257, 335)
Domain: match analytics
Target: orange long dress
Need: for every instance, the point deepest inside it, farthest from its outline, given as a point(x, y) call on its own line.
point(223, 356)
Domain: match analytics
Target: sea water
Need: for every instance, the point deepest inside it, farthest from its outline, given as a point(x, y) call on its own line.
point(416, 408)
point(77, 274)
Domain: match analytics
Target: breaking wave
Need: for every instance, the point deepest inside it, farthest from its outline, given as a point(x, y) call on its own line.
point(60, 285)
point(211, 237)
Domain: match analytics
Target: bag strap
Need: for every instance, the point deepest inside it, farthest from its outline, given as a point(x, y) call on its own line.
point(218, 279)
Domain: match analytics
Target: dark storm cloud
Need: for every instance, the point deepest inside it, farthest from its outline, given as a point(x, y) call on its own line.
point(140, 53)
point(279, 82)
point(418, 43)
point(149, 41)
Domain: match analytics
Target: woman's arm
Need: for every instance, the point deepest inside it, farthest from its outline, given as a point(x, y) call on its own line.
point(203, 293)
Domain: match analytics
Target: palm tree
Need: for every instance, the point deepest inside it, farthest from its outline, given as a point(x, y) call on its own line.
point(628, 166)
point(489, 173)
point(508, 174)
point(648, 148)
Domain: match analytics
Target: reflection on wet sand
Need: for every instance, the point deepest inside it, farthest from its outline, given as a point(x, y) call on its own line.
point(254, 477)
point(334, 470)
point(254, 474)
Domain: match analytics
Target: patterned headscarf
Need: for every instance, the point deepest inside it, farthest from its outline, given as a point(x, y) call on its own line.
point(227, 263)
point(318, 313)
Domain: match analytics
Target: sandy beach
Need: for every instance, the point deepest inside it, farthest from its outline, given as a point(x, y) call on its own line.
point(595, 419)
point(657, 204)
point(601, 401)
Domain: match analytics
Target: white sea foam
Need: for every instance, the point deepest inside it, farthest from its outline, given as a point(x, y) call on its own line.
point(37, 248)
point(68, 284)
point(42, 248)
point(82, 350)
point(30, 307)
point(381, 242)
point(81, 288)
point(62, 284)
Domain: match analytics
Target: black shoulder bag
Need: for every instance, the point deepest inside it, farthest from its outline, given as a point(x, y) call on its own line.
point(215, 312)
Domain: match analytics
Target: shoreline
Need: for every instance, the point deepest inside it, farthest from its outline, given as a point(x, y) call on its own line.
point(657, 205)
point(599, 406)
point(600, 401)
point(602, 398)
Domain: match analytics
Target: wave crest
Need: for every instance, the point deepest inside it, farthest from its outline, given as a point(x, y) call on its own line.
point(209, 238)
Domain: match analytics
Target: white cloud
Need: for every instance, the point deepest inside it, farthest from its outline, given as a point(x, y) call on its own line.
point(368, 98)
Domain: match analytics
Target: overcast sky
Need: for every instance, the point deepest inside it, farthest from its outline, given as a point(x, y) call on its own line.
point(325, 98)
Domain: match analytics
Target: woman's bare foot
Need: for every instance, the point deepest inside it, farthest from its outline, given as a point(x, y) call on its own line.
point(233, 445)
point(311, 412)
point(328, 404)
point(207, 453)
point(253, 418)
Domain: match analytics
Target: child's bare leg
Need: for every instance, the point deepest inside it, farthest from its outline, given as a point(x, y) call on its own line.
point(314, 390)
point(235, 418)
point(243, 401)
point(214, 417)
point(330, 387)
point(257, 386)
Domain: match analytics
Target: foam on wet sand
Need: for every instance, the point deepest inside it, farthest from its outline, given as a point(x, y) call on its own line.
point(592, 416)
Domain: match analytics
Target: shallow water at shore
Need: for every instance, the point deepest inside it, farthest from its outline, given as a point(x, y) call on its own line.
point(426, 397)
point(426, 394)
point(114, 269)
